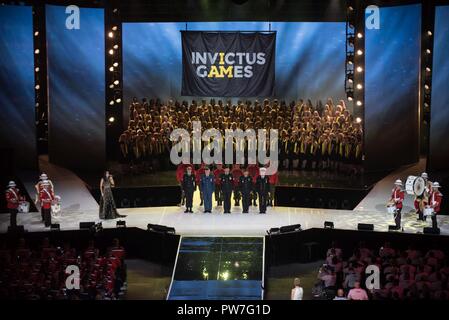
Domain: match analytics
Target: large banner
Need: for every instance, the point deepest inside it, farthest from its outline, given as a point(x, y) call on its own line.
point(228, 64)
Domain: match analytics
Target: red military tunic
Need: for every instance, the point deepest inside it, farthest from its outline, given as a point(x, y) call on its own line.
point(435, 198)
point(274, 179)
point(46, 197)
point(198, 173)
point(217, 173)
point(397, 195)
point(253, 170)
point(12, 198)
point(236, 174)
point(180, 170)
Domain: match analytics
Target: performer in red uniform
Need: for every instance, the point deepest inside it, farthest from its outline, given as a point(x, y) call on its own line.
point(236, 174)
point(217, 173)
point(397, 197)
point(12, 198)
point(180, 170)
point(435, 198)
point(45, 198)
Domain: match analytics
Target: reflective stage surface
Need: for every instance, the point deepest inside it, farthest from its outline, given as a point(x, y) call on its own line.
point(218, 268)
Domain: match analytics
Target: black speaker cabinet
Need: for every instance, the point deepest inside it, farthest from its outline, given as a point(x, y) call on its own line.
point(365, 227)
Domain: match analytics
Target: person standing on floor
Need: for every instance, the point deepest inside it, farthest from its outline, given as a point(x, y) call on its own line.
point(46, 197)
point(297, 291)
point(12, 199)
point(189, 186)
point(397, 197)
point(262, 187)
point(435, 198)
point(227, 184)
point(207, 183)
point(246, 187)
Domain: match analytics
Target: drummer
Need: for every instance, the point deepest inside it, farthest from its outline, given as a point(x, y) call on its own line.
point(422, 200)
point(397, 197)
point(435, 198)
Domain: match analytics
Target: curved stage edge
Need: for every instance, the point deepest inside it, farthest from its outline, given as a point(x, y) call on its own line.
point(235, 224)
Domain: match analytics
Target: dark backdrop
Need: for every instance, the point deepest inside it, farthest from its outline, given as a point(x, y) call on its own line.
point(76, 89)
point(439, 122)
point(17, 116)
point(392, 88)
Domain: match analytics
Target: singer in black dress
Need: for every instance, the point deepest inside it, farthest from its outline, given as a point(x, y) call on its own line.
point(108, 209)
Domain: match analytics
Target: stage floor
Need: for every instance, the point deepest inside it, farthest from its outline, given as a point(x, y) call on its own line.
point(235, 224)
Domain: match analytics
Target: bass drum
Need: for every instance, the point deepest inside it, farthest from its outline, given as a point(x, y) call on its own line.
point(415, 185)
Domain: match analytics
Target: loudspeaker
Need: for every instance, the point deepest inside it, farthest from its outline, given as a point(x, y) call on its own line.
point(430, 230)
point(328, 225)
point(160, 229)
point(365, 227)
point(17, 229)
point(87, 225)
point(121, 224)
point(291, 228)
point(55, 227)
point(273, 231)
point(393, 228)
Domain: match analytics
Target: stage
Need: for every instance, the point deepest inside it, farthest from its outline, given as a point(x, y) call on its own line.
point(235, 224)
point(78, 205)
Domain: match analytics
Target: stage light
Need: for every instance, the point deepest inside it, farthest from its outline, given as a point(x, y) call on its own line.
point(37, 87)
point(111, 34)
point(426, 104)
point(429, 33)
point(359, 52)
point(359, 103)
point(359, 86)
point(350, 98)
point(428, 51)
point(37, 104)
point(115, 10)
point(111, 102)
point(36, 51)
point(111, 119)
point(115, 47)
point(116, 82)
point(118, 100)
point(111, 69)
point(426, 87)
point(36, 33)
point(115, 64)
point(114, 28)
point(111, 52)
point(111, 86)
point(349, 62)
point(350, 80)
point(359, 69)
point(37, 69)
point(428, 69)
point(350, 8)
point(358, 119)
point(359, 35)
